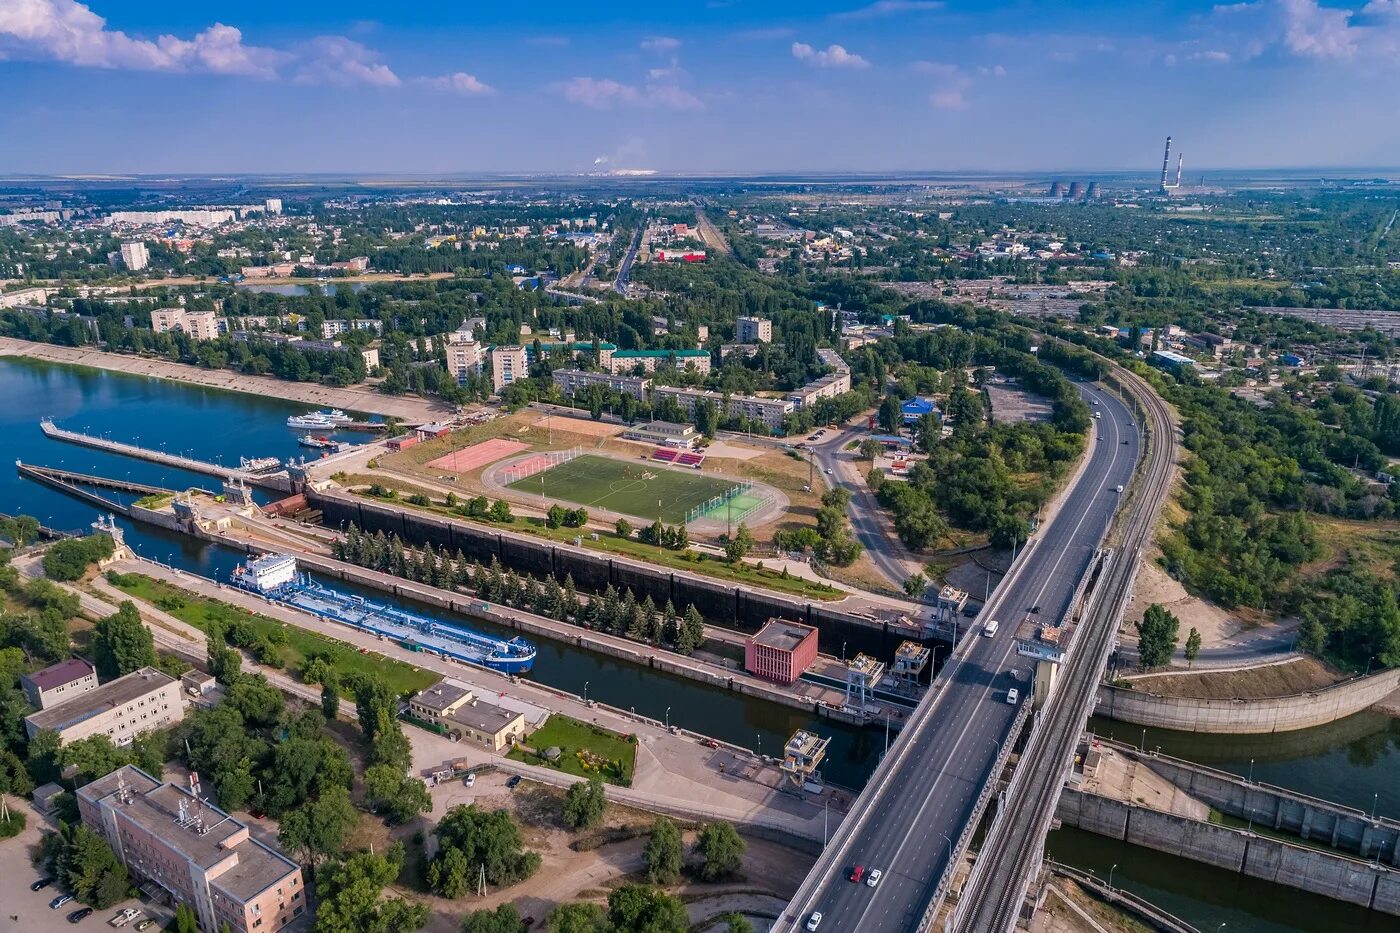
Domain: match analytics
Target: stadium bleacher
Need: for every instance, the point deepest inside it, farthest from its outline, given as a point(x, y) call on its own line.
point(664, 454)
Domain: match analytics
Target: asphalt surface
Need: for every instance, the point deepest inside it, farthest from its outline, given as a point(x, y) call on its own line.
point(624, 269)
point(865, 514)
point(907, 824)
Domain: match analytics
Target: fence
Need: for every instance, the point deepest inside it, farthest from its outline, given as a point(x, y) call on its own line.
point(536, 464)
point(733, 492)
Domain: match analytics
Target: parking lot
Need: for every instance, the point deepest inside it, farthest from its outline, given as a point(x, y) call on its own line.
point(23, 909)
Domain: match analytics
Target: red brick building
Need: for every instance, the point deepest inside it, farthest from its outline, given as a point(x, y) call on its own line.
point(781, 651)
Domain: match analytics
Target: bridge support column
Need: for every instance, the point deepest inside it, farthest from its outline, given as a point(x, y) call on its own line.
point(1045, 674)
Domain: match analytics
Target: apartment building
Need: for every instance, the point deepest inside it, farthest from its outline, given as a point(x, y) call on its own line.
point(120, 709)
point(199, 325)
point(570, 381)
point(754, 330)
point(175, 842)
point(507, 365)
point(627, 361)
point(575, 348)
point(333, 327)
point(135, 256)
point(770, 412)
point(465, 358)
point(828, 386)
point(58, 683)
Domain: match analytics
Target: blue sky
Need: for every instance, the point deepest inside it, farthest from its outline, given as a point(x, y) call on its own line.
point(719, 86)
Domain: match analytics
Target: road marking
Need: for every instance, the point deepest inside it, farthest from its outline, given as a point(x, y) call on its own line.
point(999, 602)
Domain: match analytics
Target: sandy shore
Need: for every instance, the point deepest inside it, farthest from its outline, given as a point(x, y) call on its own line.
point(350, 398)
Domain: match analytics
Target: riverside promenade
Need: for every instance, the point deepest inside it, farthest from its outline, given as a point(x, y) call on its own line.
point(350, 398)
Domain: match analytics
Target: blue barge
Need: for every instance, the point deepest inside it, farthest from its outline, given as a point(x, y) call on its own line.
point(276, 577)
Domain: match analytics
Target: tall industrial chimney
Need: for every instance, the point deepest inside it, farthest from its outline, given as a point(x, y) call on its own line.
point(1179, 160)
point(1166, 163)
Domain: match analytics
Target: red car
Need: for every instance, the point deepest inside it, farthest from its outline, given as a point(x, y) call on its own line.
point(858, 874)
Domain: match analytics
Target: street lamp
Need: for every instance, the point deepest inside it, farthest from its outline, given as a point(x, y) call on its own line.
point(585, 693)
point(668, 717)
point(1110, 875)
point(843, 652)
point(1251, 771)
point(1142, 746)
point(760, 743)
point(950, 847)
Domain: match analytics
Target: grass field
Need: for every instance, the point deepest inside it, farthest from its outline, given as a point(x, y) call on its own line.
point(641, 489)
point(613, 754)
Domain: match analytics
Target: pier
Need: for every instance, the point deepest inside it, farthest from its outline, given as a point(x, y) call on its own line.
point(277, 480)
point(72, 483)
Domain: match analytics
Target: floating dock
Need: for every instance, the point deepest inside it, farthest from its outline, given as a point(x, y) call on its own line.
point(276, 578)
point(278, 480)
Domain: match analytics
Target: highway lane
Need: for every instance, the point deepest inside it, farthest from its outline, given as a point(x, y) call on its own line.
point(946, 755)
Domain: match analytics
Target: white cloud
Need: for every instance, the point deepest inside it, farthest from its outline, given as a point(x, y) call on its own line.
point(952, 82)
point(342, 62)
point(994, 71)
point(660, 44)
point(833, 56)
point(605, 93)
point(1210, 55)
point(1306, 29)
point(948, 99)
point(459, 82)
point(70, 32)
point(891, 8)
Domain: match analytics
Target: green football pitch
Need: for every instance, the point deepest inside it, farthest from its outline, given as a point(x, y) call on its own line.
point(642, 489)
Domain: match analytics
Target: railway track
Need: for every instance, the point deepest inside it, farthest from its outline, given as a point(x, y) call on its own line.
point(1013, 850)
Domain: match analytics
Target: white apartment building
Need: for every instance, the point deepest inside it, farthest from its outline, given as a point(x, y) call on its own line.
point(135, 256)
point(754, 330)
point(120, 709)
point(465, 358)
point(332, 327)
point(272, 206)
point(826, 387)
point(507, 365)
point(769, 412)
point(569, 381)
point(200, 325)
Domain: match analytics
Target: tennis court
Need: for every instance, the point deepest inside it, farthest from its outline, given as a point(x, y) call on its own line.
point(642, 489)
point(468, 458)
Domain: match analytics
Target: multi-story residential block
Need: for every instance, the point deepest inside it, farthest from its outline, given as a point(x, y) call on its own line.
point(120, 709)
point(200, 325)
point(570, 381)
point(507, 365)
point(173, 841)
point(754, 330)
point(627, 361)
point(334, 326)
point(770, 412)
point(575, 348)
point(135, 256)
point(272, 206)
point(828, 386)
point(465, 358)
point(58, 683)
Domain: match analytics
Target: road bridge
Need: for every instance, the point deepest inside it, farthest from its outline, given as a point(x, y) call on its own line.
point(918, 812)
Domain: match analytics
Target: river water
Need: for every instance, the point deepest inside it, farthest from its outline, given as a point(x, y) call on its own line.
point(1355, 761)
point(221, 426)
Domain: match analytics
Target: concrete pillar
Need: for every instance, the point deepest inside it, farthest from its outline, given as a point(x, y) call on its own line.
point(1045, 673)
point(1306, 826)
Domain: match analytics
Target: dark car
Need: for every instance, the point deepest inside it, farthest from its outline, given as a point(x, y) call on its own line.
point(41, 884)
point(514, 780)
point(79, 915)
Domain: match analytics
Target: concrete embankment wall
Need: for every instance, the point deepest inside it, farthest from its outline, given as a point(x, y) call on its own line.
point(1310, 818)
point(1336, 876)
point(743, 608)
point(1274, 714)
point(560, 632)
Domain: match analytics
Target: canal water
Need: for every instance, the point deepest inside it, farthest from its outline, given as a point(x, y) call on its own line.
point(220, 426)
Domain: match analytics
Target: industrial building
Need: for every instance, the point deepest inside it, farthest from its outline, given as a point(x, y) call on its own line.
point(1167, 359)
point(182, 849)
point(781, 651)
point(120, 709)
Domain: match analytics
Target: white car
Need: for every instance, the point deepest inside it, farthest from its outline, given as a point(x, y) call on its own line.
point(469, 781)
point(1013, 696)
point(815, 920)
point(990, 629)
point(873, 878)
point(828, 472)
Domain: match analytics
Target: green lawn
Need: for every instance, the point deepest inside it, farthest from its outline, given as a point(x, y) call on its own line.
point(644, 489)
point(573, 736)
point(199, 611)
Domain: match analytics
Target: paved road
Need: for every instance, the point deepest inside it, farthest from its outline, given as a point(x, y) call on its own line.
point(624, 270)
point(867, 515)
point(911, 815)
